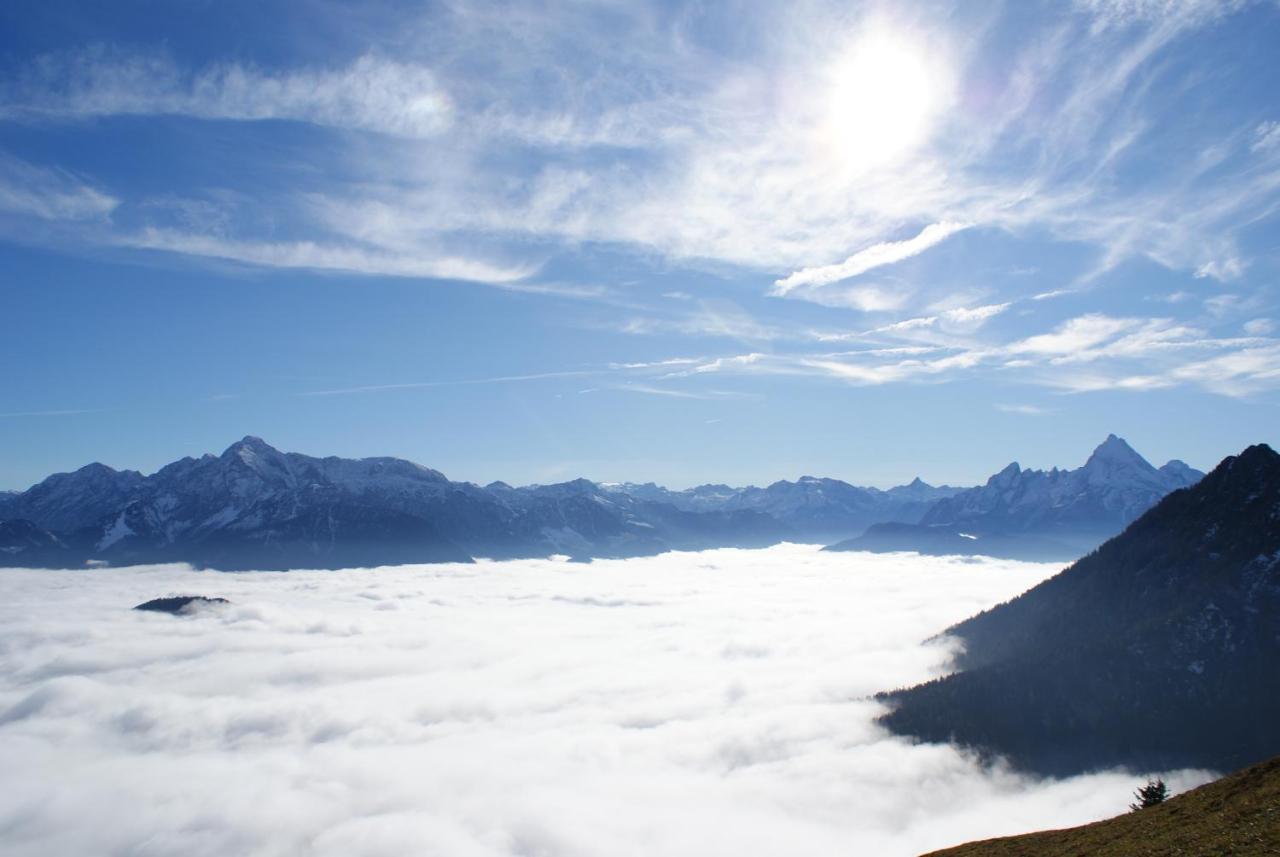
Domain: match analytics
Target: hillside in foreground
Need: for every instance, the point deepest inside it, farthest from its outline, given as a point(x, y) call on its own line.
point(1237, 815)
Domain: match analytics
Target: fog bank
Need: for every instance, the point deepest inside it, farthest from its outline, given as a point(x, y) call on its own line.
point(685, 704)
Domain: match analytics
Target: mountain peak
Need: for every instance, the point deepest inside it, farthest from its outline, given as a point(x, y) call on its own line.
point(249, 445)
point(1258, 455)
point(1181, 473)
point(1007, 476)
point(96, 467)
point(1115, 451)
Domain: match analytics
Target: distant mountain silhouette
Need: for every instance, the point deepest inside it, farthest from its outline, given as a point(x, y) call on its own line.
point(813, 509)
point(1157, 651)
point(254, 506)
point(940, 540)
point(1044, 515)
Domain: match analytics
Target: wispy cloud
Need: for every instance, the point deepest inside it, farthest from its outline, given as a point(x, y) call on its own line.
point(1025, 410)
point(1075, 335)
point(680, 149)
point(707, 318)
point(673, 393)
point(55, 413)
point(49, 194)
point(335, 257)
point(975, 315)
point(875, 256)
point(1121, 354)
point(1266, 136)
point(371, 94)
point(423, 385)
point(655, 158)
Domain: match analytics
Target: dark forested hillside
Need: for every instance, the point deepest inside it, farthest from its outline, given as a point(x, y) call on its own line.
point(1157, 650)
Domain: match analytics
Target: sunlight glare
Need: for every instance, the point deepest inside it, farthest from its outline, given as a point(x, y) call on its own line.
point(884, 93)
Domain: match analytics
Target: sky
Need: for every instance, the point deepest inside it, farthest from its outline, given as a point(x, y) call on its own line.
point(684, 704)
point(686, 243)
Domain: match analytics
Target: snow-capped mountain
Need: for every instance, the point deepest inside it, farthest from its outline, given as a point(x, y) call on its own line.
point(257, 507)
point(813, 508)
point(254, 506)
point(66, 502)
point(1038, 514)
point(1111, 490)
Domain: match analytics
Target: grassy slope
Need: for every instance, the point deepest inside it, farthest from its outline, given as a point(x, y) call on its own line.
point(1238, 815)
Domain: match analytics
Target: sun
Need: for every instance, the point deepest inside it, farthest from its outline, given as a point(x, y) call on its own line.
point(883, 95)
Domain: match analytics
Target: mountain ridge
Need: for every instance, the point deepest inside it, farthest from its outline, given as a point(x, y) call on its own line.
point(1155, 651)
point(253, 504)
point(1039, 515)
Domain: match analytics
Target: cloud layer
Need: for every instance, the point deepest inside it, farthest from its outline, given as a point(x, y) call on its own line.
point(680, 705)
point(822, 152)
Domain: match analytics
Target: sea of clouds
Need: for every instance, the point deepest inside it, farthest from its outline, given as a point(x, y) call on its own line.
point(686, 704)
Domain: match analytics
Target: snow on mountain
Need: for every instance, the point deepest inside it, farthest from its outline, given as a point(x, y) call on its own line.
point(813, 508)
point(255, 506)
point(66, 502)
point(1113, 488)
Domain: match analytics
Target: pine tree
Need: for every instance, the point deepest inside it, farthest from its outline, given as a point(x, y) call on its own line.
point(1154, 792)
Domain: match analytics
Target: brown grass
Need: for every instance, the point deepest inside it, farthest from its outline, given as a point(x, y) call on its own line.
point(1238, 815)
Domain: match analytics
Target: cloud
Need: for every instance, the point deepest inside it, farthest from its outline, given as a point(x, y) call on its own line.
point(714, 318)
point(644, 138)
point(875, 256)
point(335, 257)
point(975, 315)
point(1025, 410)
point(1134, 353)
point(1260, 327)
point(1221, 269)
point(423, 385)
point(49, 194)
point(1124, 13)
point(61, 413)
point(669, 392)
point(861, 298)
point(371, 94)
point(1266, 136)
point(712, 702)
point(1074, 335)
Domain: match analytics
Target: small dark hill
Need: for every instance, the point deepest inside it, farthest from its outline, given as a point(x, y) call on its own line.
point(1237, 815)
point(179, 604)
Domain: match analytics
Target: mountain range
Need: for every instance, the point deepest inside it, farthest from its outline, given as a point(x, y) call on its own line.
point(1037, 514)
point(1157, 651)
point(254, 506)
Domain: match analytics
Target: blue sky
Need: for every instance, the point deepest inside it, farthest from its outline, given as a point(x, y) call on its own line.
point(727, 242)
